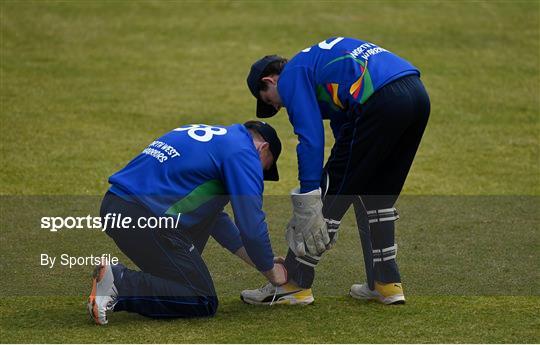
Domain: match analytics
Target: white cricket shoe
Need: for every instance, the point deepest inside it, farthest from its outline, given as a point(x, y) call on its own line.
point(284, 294)
point(104, 294)
point(386, 293)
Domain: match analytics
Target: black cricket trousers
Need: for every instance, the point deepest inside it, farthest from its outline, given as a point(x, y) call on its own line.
point(174, 281)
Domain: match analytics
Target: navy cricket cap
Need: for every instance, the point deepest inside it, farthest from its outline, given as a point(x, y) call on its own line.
point(253, 80)
point(269, 134)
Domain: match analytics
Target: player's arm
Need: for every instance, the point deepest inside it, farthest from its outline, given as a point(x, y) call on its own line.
point(242, 254)
point(225, 232)
point(297, 91)
point(244, 182)
point(307, 232)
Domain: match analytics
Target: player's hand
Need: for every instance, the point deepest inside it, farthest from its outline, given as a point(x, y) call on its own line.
point(307, 232)
point(277, 275)
point(279, 260)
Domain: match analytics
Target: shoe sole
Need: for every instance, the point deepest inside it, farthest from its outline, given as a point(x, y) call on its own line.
point(286, 300)
point(97, 276)
point(391, 300)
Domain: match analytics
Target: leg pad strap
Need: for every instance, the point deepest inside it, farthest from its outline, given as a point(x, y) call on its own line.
point(383, 215)
point(385, 254)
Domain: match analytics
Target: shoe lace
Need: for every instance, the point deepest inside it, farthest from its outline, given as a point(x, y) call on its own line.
point(269, 288)
point(114, 299)
point(274, 297)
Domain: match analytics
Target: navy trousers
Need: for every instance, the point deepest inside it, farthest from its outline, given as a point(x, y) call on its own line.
point(371, 158)
point(174, 281)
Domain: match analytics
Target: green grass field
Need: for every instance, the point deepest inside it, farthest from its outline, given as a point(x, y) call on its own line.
point(86, 85)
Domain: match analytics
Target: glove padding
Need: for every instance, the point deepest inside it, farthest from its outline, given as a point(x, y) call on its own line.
point(333, 227)
point(307, 232)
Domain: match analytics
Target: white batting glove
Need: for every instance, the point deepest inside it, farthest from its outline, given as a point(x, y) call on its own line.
point(333, 227)
point(307, 232)
point(295, 239)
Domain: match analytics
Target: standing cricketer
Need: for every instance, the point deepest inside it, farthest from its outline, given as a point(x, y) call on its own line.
point(378, 110)
point(187, 175)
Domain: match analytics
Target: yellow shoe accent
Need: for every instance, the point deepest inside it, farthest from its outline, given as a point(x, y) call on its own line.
point(284, 294)
point(386, 293)
point(296, 295)
point(391, 293)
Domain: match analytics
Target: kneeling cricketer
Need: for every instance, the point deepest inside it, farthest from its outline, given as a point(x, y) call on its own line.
point(188, 174)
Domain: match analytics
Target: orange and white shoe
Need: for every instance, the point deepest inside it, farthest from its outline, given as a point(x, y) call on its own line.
point(104, 294)
point(385, 293)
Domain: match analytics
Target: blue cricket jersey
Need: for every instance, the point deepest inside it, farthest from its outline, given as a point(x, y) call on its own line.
point(326, 81)
point(195, 171)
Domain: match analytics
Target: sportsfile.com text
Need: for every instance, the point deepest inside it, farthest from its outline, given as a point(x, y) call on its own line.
point(110, 220)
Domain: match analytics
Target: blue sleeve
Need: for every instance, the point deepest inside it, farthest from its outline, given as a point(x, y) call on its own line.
point(297, 91)
point(225, 232)
point(244, 182)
